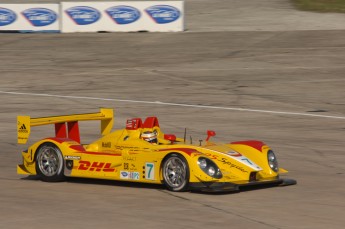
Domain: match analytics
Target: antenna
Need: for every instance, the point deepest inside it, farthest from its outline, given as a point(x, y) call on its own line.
point(185, 133)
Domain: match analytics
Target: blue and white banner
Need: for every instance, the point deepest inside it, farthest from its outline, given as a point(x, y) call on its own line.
point(151, 16)
point(29, 17)
point(69, 17)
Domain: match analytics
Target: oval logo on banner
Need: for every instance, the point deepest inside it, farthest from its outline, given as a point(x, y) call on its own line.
point(83, 15)
point(123, 14)
point(163, 14)
point(7, 16)
point(40, 16)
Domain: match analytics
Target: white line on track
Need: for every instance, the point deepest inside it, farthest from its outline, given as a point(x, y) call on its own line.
point(175, 104)
point(247, 68)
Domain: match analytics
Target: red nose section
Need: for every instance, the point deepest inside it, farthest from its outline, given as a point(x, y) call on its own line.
point(252, 143)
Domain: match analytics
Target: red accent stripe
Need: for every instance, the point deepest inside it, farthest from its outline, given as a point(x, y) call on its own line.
point(59, 140)
point(185, 150)
point(81, 149)
point(77, 147)
point(252, 143)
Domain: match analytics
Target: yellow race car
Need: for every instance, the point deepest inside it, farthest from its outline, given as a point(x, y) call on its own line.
point(141, 152)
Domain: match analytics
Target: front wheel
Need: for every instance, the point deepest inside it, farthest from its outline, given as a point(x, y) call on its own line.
point(49, 163)
point(176, 173)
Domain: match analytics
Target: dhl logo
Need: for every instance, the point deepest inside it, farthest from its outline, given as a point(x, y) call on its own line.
point(96, 166)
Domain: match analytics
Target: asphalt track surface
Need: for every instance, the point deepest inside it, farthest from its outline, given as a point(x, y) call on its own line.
point(284, 87)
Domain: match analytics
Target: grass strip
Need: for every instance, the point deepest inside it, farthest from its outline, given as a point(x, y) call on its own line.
point(336, 6)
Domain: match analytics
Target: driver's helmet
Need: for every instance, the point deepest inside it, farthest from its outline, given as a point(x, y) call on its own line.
point(149, 136)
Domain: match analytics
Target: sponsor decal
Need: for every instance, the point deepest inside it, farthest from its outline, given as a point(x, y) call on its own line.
point(7, 16)
point(225, 161)
point(163, 14)
point(129, 123)
point(134, 175)
point(149, 171)
point(129, 158)
point(106, 144)
point(124, 175)
point(212, 156)
point(68, 157)
point(83, 15)
point(236, 156)
point(246, 161)
point(96, 166)
point(123, 15)
point(40, 16)
point(127, 166)
point(127, 175)
point(23, 129)
point(133, 124)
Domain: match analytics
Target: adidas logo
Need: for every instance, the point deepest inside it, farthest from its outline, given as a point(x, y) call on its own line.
point(23, 129)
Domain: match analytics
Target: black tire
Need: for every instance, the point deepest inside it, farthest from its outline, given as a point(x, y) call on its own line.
point(49, 163)
point(175, 173)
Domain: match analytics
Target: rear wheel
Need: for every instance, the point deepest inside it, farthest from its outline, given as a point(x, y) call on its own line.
point(176, 173)
point(49, 163)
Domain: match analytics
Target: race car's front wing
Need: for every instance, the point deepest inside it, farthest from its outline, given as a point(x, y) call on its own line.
point(229, 187)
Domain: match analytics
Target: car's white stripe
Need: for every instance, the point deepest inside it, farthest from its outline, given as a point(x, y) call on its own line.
point(242, 159)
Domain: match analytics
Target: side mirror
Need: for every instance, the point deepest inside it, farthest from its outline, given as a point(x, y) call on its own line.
point(210, 133)
point(170, 137)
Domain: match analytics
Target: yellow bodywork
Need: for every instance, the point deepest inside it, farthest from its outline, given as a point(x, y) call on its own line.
point(122, 155)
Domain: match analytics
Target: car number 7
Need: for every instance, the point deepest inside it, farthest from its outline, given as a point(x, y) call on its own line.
point(149, 171)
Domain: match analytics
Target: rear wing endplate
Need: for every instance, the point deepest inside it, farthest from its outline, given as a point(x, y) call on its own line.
point(24, 124)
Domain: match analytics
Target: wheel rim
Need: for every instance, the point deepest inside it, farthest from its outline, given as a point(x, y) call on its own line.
point(48, 161)
point(175, 172)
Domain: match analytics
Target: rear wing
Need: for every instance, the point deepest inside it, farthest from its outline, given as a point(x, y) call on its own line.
point(24, 124)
